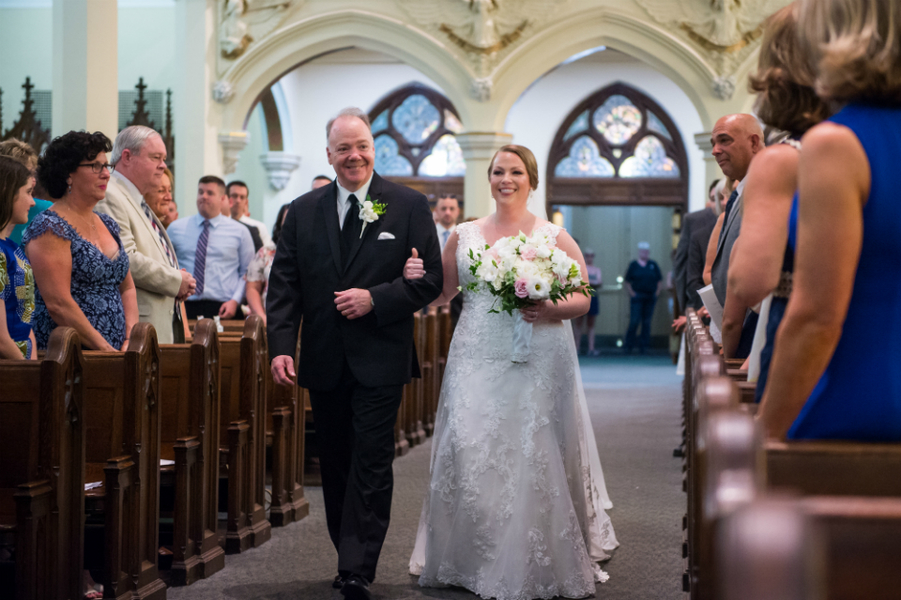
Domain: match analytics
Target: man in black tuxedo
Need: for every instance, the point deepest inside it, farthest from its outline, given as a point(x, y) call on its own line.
point(341, 271)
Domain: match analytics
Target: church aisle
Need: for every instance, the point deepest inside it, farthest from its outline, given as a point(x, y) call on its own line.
point(635, 410)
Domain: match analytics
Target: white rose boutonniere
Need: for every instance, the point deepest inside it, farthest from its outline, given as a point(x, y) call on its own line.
point(370, 211)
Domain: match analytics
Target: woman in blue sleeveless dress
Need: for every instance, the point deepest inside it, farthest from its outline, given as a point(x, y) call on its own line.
point(80, 266)
point(834, 372)
point(16, 280)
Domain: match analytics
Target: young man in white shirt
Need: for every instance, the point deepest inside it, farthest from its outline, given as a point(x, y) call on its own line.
point(238, 199)
point(448, 211)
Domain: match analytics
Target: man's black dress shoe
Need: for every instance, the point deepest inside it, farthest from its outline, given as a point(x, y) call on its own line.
point(338, 582)
point(356, 588)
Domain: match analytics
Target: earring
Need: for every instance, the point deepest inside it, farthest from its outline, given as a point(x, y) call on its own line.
point(69, 189)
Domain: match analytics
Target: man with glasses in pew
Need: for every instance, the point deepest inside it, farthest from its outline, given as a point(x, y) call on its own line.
point(139, 160)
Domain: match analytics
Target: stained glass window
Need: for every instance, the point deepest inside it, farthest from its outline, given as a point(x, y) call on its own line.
point(657, 126)
point(446, 159)
point(380, 123)
point(387, 160)
point(578, 126)
point(618, 119)
point(416, 128)
point(452, 122)
point(584, 160)
point(617, 146)
point(416, 119)
point(649, 160)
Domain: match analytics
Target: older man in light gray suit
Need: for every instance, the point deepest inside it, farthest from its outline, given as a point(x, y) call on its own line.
point(736, 139)
point(139, 158)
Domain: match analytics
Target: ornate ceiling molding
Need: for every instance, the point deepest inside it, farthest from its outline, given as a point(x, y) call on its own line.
point(725, 32)
point(241, 22)
point(482, 32)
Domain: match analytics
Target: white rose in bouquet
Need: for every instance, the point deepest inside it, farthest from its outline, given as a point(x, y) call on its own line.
point(538, 288)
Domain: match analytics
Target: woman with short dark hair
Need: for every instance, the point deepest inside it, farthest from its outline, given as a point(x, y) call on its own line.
point(80, 267)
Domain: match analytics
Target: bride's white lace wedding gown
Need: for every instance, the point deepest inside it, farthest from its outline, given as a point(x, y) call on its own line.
point(515, 506)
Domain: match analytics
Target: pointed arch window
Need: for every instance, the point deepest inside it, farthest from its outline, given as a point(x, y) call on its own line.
point(414, 130)
point(618, 146)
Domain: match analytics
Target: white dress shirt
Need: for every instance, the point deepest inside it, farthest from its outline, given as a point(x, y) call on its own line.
point(260, 227)
point(344, 194)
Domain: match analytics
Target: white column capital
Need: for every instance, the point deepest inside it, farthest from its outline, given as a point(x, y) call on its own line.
point(279, 166)
point(702, 140)
point(481, 145)
point(232, 143)
point(478, 149)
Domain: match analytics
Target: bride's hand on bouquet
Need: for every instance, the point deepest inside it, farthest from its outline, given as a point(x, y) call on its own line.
point(534, 312)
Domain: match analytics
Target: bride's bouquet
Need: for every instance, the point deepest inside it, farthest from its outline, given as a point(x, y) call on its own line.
point(521, 270)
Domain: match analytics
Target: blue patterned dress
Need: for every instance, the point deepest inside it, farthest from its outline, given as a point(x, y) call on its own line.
point(95, 279)
point(17, 294)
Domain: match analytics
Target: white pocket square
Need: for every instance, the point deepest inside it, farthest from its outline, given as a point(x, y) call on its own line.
point(386, 236)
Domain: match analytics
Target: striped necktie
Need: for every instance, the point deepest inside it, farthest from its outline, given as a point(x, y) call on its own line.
point(200, 257)
point(732, 198)
point(158, 231)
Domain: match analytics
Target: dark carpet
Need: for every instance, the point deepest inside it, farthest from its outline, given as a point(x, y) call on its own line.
point(635, 410)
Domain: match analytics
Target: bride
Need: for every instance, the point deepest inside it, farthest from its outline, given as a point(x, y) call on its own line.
point(515, 505)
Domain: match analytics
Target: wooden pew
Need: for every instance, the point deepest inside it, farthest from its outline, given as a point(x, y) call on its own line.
point(445, 333)
point(189, 397)
point(401, 425)
point(243, 362)
point(857, 538)
point(414, 402)
point(431, 378)
point(122, 450)
point(42, 479)
point(287, 415)
point(769, 549)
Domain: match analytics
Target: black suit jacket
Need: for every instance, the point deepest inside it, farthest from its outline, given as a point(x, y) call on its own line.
point(697, 257)
point(692, 222)
point(308, 270)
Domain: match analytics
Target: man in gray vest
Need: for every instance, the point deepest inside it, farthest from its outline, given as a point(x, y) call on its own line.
point(736, 139)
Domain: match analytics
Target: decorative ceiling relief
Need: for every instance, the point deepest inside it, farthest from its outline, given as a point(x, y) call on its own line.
point(483, 31)
point(725, 31)
point(243, 21)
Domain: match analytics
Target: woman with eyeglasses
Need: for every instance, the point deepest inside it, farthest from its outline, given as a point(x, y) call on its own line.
point(80, 267)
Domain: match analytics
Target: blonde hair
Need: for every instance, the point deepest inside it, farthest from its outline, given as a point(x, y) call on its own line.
point(528, 159)
point(854, 46)
point(21, 152)
point(784, 79)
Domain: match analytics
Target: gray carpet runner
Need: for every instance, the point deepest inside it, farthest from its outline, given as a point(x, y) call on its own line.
point(635, 410)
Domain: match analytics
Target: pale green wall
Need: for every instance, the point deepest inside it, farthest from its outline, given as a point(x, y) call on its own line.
point(146, 48)
point(26, 48)
point(251, 171)
point(613, 233)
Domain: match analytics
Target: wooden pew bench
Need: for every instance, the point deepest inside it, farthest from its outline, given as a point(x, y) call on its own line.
point(287, 421)
point(856, 538)
point(42, 479)
point(243, 363)
point(189, 398)
point(122, 453)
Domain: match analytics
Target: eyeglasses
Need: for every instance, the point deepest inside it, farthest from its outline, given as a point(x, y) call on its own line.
point(98, 167)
